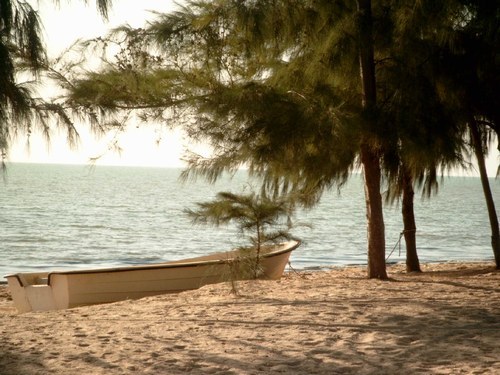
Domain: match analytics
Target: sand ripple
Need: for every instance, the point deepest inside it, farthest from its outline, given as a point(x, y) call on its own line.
point(445, 321)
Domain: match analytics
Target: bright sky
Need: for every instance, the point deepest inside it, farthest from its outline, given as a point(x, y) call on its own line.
point(64, 24)
point(72, 20)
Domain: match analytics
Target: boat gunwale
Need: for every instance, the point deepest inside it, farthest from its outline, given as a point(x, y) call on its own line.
point(178, 264)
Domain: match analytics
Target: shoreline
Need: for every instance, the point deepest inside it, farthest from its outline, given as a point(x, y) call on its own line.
point(325, 267)
point(445, 320)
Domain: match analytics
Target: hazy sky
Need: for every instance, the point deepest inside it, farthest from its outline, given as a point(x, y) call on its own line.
point(64, 24)
point(68, 22)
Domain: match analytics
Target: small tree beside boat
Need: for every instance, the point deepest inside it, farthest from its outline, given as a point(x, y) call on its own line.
point(265, 220)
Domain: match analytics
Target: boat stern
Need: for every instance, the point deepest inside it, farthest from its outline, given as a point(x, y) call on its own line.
point(30, 292)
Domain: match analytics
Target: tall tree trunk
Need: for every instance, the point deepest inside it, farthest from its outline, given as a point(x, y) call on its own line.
point(369, 156)
point(409, 231)
point(495, 230)
point(374, 214)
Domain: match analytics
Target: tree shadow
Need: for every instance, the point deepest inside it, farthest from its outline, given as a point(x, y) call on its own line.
point(446, 337)
point(397, 333)
point(14, 363)
point(440, 277)
point(35, 361)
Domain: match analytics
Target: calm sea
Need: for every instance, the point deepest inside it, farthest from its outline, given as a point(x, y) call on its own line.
point(56, 217)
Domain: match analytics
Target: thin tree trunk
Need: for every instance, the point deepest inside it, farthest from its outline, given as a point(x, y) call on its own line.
point(495, 230)
point(369, 156)
point(409, 231)
point(257, 259)
point(374, 215)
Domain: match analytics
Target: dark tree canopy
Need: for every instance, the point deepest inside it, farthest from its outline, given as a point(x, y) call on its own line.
point(276, 86)
point(22, 61)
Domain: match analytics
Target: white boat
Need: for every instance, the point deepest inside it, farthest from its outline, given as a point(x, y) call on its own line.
point(57, 290)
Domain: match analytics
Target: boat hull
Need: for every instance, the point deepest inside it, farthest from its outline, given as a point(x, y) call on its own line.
point(67, 289)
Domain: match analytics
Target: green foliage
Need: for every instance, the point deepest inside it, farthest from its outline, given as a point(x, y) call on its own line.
point(20, 42)
point(242, 76)
point(22, 61)
point(447, 47)
point(260, 80)
point(274, 85)
point(263, 219)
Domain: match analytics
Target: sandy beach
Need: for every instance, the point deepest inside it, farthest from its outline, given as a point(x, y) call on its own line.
point(444, 321)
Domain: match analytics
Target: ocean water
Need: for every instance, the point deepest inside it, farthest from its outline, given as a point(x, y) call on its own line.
point(58, 217)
